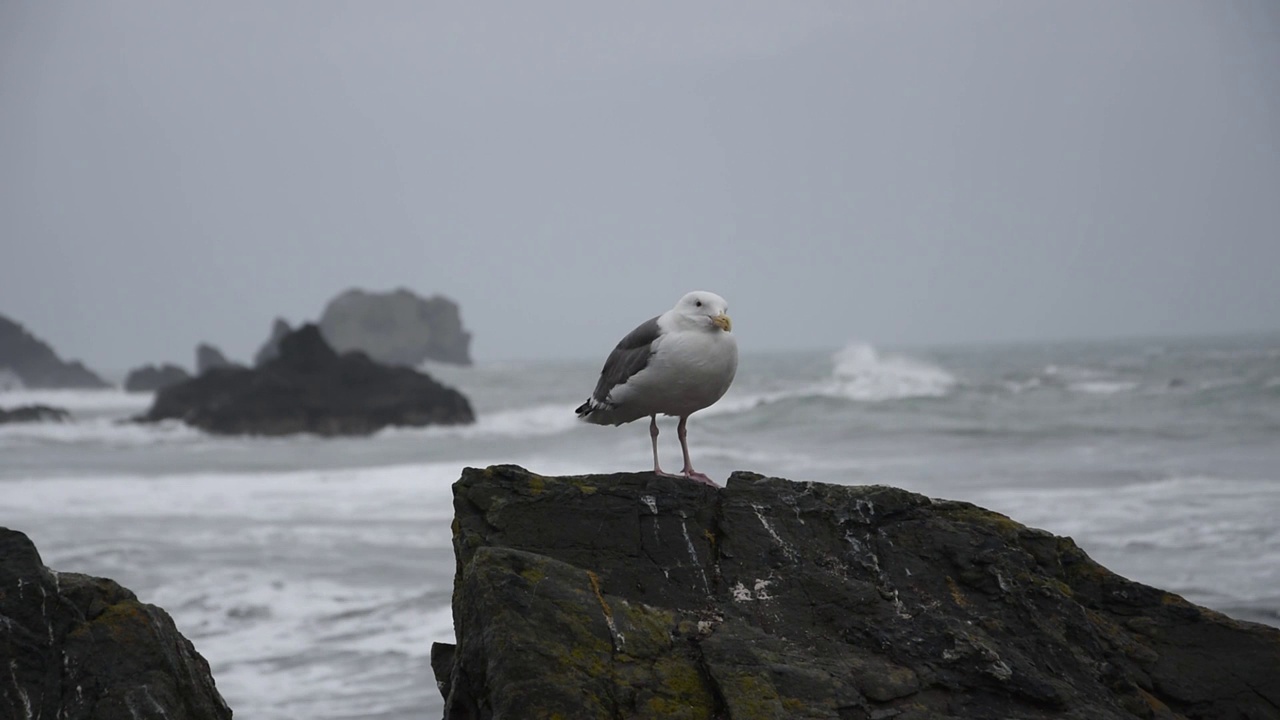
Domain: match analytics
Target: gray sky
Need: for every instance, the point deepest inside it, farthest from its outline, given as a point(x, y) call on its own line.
point(892, 172)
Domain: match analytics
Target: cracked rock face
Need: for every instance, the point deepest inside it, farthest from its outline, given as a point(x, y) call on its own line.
point(637, 596)
point(75, 647)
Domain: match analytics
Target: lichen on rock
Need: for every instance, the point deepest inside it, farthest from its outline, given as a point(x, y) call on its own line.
point(654, 597)
point(78, 647)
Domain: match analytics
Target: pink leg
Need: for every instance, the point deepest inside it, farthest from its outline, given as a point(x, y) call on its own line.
point(653, 435)
point(689, 472)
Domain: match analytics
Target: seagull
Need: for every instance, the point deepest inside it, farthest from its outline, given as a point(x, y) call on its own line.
point(674, 364)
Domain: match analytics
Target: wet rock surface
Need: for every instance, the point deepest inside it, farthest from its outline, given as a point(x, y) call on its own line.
point(76, 647)
point(33, 413)
point(632, 595)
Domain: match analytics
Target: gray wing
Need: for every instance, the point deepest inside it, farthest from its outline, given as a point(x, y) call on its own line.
point(628, 358)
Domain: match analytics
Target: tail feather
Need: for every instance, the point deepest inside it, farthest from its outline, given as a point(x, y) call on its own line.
point(587, 411)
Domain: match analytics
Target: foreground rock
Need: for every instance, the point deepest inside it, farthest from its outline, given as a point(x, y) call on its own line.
point(150, 378)
point(209, 357)
point(37, 365)
point(397, 327)
point(33, 413)
point(632, 595)
point(310, 388)
point(76, 647)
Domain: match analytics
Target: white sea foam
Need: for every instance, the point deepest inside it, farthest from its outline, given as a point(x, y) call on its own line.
point(374, 492)
point(1070, 373)
point(1103, 387)
point(98, 431)
point(863, 373)
point(1024, 385)
point(859, 373)
point(531, 421)
point(112, 399)
point(534, 421)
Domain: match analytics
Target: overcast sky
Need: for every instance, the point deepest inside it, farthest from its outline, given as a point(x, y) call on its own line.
point(890, 172)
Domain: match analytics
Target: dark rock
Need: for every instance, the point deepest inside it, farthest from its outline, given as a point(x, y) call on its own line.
point(633, 595)
point(150, 378)
point(310, 388)
point(76, 647)
point(397, 327)
point(9, 380)
point(271, 348)
point(209, 357)
point(33, 413)
point(37, 365)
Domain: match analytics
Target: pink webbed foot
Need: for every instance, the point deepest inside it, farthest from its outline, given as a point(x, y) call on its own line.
point(696, 476)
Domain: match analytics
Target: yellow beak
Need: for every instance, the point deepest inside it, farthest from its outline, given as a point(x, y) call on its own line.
point(722, 321)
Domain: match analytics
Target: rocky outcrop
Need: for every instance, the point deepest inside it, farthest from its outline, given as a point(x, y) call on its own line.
point(37, 365)
point(638, 596)
point(310, 388)
point(10, 381)
point(150, 378)
point(33, 413)
point(271, 348)
point(209, 357)
point(76, 647)
point(397, 327)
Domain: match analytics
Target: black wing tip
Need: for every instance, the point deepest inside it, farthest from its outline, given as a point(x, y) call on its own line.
point(584, 409)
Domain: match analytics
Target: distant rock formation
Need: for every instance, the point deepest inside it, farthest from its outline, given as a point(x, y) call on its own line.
point(9, 380)
point(150, 378)
point(33, 413)
point(209, 357)
point(37, 365)
point(633, 595)
point(310, 388)
point(76, 647)
point(271, 348)
point(397, 327)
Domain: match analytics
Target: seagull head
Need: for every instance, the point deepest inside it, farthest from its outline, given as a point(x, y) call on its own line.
point(705, 310)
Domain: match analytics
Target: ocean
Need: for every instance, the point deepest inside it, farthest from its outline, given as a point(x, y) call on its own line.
point(314, 574)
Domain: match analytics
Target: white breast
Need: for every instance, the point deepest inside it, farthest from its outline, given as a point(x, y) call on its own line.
point(688, 371)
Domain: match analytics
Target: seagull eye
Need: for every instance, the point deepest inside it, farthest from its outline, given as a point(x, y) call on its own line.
point(698, 303)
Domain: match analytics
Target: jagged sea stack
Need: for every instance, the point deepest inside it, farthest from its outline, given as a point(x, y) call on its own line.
point(310, 388)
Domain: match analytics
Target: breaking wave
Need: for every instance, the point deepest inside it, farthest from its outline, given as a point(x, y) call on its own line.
point(78, 401)
point(863, 373)
point(99, 431)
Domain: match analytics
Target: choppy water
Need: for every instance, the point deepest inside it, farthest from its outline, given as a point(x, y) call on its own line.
point(314, 574)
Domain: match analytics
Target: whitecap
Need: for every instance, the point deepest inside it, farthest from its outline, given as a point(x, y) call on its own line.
point(862, 373)
point(531, 421)
point(112, 399)
point(1103, 387)
point(99, 431)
